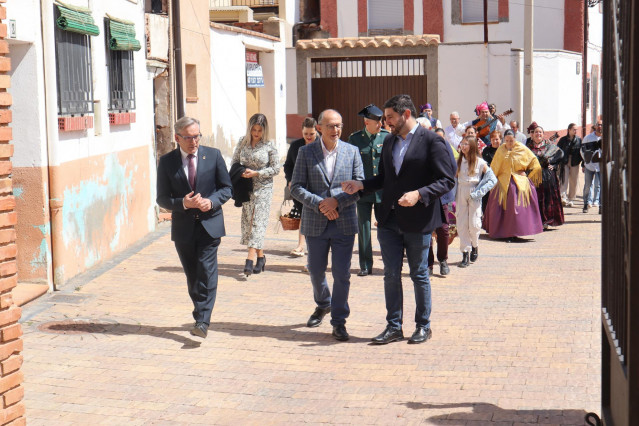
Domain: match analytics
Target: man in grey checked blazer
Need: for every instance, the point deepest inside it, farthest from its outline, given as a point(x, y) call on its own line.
point(329, 217)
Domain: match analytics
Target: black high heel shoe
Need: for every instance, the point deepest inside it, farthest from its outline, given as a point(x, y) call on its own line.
point(259, 265)
point(248, 267)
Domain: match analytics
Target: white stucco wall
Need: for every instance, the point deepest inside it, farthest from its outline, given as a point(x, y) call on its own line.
point(83, 144)
point(347, 18)
point(228, 87)
point(548, 26)
point(557, 89)
point(291, 81)
point(463, 86)
point(27, 85)
point(418, 14)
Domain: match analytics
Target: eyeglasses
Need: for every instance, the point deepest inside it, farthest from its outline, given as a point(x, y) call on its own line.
point(190, 138)
point(463, 144)
point(333, 126)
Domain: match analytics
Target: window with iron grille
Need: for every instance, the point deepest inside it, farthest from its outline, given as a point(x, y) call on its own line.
point(73, 71)
point(121, 76)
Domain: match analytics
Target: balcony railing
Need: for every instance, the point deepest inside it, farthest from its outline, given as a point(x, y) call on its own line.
point(249, 3)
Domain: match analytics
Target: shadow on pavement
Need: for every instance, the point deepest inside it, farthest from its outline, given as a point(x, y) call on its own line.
point(490, 413)
point(120, 329)
point(174, 269)
point(287, 333)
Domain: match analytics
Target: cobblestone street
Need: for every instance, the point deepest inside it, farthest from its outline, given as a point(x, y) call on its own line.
point(516, 340)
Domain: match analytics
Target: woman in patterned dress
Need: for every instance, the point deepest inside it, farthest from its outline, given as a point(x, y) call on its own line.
point(549, 155)
point(260, 158)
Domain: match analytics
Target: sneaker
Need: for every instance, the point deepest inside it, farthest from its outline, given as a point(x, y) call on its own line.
point(570, 204)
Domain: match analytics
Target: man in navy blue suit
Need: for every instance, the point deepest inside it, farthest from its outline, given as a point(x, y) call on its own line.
point(415, 171)
point(193, 183)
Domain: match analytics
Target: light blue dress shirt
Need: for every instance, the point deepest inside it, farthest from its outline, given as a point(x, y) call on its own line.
point(400, 148)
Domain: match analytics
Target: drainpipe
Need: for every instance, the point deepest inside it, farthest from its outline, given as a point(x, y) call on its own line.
point(584, 73)
point(55, 194)
point(177, 47)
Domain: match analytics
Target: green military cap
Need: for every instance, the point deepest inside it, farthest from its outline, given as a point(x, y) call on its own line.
point(371, 111)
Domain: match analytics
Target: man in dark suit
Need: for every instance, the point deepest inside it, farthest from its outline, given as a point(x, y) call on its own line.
point(329, 217)
point(414, 172)
point(193, 183)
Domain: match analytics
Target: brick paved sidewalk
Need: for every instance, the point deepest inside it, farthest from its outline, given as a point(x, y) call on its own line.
point(516, 340)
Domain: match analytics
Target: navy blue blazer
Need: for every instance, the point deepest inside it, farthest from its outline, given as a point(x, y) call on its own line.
point(427, 168)
point(212, 182)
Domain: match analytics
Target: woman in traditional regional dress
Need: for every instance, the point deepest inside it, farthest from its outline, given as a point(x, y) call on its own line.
point(549, 156)
point(513, 209)
point(487, 154)
point(259, 156)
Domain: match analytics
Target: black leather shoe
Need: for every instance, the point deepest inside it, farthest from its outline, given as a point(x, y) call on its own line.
point(259, 265)
point(248, 267)
point(443, 268)
point(420, 335)
point(389, 335)
point(363, 273)
point(465, 261)
point(200, 330)
point(474, 254)
point(340, 333)
point(316, 318)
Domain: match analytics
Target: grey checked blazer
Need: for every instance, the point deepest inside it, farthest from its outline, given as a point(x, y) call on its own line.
point(310, 185)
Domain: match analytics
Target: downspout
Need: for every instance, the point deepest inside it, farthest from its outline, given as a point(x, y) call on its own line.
point(177, 47)
point(584, 86)
point(55, 194)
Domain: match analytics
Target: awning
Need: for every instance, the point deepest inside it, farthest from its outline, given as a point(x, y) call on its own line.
point(77, 20)
point(122, 35)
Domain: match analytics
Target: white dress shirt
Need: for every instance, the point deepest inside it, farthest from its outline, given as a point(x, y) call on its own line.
point(330, 157)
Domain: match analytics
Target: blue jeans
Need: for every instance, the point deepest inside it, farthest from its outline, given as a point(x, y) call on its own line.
point(393, 242)
point(589, 178)
point(341, 247)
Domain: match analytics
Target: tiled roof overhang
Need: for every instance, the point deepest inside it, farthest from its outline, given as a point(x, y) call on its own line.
point(369, 42)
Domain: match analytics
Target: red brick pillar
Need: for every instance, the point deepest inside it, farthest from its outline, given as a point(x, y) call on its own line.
point(11, 389)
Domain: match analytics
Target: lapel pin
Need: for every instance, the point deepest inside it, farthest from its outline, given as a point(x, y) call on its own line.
point(204, 157)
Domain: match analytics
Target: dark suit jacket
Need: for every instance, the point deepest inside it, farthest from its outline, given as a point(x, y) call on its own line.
point(212, 182)
point(427, 168)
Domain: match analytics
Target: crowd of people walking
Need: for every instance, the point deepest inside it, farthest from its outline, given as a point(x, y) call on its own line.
point(424, 183)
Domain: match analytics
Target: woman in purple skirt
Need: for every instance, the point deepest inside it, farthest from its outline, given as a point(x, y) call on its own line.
point(513, 209)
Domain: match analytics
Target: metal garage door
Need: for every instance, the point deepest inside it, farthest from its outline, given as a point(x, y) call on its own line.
point(349, 84)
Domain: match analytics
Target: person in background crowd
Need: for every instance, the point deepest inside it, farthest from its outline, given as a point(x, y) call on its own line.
point(329, 217)
point(530, 131)
point(259, 155)
point(471, 131)
point(474, 180)
point(453, 133)
point(569, 169)
point(513, 209)
point(549, 156)
point(487, 154)
point(519, 136)
point(309, 134)
point(426, 110)
point(591, 153)
point(369, 142)
point(442, 232)
point(484, 116)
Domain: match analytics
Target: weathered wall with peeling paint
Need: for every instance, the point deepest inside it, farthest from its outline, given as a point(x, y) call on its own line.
point(82, 196)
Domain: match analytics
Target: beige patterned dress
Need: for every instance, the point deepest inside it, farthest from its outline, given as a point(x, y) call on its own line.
point(264, 159)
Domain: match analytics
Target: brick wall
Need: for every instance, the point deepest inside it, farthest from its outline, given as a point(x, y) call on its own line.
point(11, 389)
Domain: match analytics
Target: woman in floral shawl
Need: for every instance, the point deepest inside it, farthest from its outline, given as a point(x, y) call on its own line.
point(513, 209)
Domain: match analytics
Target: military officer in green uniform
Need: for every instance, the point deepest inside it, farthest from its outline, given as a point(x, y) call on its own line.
point(369, 141)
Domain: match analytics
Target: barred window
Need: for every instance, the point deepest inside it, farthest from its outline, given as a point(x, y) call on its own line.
point(121, 76)
point(73, 71)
